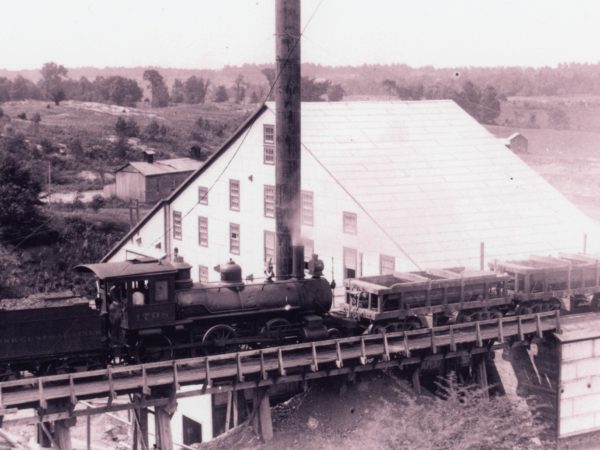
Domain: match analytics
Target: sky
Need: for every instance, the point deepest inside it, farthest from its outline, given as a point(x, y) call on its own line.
point(213, 33)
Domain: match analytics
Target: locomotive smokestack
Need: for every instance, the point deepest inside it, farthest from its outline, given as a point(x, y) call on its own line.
point(287, 143)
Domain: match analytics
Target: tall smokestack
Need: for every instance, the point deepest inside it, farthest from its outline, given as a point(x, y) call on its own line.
point(287, 140)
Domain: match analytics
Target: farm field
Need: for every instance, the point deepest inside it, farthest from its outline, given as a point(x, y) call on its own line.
point(567, 159)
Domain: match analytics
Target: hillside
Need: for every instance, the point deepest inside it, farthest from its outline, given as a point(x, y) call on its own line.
point(79, 139)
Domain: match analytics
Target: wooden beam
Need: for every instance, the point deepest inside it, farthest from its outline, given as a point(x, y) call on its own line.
point(162, 418)
point(62, 434)
point(416, 380)
point(266, 422)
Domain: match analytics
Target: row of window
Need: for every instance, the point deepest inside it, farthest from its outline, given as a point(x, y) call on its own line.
point(349, 219)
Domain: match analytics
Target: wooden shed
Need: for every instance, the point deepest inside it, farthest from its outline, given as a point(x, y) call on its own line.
point(149, 181)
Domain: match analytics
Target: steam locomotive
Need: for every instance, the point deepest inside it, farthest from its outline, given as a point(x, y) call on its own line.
point(148, 310)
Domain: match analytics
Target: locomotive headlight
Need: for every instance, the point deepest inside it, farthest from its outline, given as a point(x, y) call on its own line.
point(287, 307)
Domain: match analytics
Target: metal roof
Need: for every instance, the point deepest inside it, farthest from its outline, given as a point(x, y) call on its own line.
point(106, 271)
point(434, 181)
point(438, 183)
point(165, 166)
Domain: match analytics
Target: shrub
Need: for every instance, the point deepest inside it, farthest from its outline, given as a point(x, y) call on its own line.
point(22, 116)
point(97, 203)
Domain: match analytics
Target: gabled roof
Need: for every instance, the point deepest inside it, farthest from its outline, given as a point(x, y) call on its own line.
point(438, 183)
point(435, 182)
point(164, 166)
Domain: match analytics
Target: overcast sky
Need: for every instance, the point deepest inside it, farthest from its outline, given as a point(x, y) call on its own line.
point(214, 33)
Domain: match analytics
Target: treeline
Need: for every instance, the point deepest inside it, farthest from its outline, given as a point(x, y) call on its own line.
point(55, 85)
point(481, 103)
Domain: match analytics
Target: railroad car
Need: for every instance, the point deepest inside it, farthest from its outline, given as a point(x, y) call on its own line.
point(410, 300)
point(49, 333)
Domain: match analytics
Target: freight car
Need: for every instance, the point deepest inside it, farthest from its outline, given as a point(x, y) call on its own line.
point(405, 301)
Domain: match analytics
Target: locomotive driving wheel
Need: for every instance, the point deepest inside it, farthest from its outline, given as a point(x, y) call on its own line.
point(153, 348)
point(215, 339)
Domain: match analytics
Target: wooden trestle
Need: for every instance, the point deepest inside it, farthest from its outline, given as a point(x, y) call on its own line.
point(158, 384)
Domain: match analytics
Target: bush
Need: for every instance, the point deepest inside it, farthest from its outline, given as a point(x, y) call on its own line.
point(22, 116)
point(127, 128)
point(36, 118)
point(97, 203)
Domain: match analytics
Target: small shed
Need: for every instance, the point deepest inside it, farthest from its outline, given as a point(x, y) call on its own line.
point(517, 143)
point(149, 181)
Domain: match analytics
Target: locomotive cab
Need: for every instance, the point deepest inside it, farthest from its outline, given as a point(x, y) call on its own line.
point(138, 294)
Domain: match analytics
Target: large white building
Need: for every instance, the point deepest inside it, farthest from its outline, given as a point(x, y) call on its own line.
point(386, 186)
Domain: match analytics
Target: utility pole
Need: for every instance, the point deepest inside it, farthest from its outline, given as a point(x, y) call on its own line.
point(287, 134)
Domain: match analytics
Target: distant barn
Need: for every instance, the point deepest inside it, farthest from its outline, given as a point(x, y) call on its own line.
point(149, 181)
point(517, 143)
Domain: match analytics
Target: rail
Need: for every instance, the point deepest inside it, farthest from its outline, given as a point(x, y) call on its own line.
point(263, 367)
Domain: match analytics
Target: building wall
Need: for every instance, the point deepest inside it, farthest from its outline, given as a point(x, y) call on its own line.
point(580, 387)
point(130, 185)
point(329, 200)
point(148, 241)
point(161, 186)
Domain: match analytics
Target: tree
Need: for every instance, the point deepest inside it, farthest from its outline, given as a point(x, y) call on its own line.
point(122, 91)
point(221, 94)
point(23, 89)
point(240, 89)
point(313, 90)
point(97, 203)
point(158, 88)
point(19, 208)
point(52, 81)
point(178, 91)
point(152, 130)
point(490, 105)
point(127, 128)
point(195, 90)
point(335, 93)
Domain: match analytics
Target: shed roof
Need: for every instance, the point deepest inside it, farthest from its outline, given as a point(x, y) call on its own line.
point(164, 166)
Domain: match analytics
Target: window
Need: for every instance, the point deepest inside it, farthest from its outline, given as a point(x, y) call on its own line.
point(203, 195)
point(203, 231)
point(269, 144)
point(177, 227)
point(234, 238)
point(349, 223)
point(269, 201)
point(309, 249)
point(387, 264)
point(161, 291)
point(203, 274)
point(350, 257)
point(270, 246)
point(192, 431)
point(234, 195)
point(307, 208)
